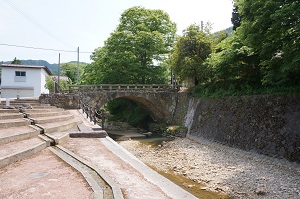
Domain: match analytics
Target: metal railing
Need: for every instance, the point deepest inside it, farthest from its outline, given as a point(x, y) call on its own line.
point(120, 87)
point(94, 114)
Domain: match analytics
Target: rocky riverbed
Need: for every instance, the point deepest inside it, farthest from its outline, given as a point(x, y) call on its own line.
point(238, 173)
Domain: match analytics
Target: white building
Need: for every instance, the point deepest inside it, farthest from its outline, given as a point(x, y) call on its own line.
point(23, 80)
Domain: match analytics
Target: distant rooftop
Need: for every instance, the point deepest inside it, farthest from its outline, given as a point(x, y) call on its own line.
point(26, 66)
point(64, 78)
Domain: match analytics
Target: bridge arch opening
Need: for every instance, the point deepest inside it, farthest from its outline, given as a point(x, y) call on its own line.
point(153, 111)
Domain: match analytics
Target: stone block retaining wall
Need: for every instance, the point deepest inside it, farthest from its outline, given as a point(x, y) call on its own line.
point(267, 124)
point(65, 101)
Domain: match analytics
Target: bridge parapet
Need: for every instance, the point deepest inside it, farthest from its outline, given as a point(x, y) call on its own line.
point(122, 87)
point(159, 100)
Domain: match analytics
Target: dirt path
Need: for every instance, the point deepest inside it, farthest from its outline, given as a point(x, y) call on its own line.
point(42, 176)
point(240, 174)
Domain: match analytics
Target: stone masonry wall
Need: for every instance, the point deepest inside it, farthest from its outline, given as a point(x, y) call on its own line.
point(60, 100)
point(267, 124)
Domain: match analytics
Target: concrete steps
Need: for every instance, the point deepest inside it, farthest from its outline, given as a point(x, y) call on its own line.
point(20, 103)
point(20, 138)
point(18, 133)
point(31, 114)
point(18, 150)
point(7, 123)
point(60, 126)
point(5, 116)
point(52, 119)
point(9, 111)
point(38, 110)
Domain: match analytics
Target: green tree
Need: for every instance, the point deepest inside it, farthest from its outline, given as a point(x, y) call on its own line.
point(135, 51)
point(16, 61)
point(234, 64)
point(50, 84)
point(72, 71)
point(236, 18)
point(272, 30)
point(190, 52)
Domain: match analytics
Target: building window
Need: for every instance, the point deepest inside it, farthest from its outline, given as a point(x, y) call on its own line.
point(20, 73)
point(20, 76)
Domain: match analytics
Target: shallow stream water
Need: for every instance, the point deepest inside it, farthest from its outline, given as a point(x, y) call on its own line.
point(189, 185)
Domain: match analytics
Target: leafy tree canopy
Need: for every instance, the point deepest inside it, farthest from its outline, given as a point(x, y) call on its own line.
point(262, 55)
point(16, 61)
point(72, 70)
point(190, 52)
point(272, 30)
point(135, 51)
point(51, 87)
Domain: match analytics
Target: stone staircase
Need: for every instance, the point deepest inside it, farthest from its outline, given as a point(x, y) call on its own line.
point(23, 126)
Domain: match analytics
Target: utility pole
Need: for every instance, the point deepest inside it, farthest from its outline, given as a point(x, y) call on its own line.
point(58, 76)
point(202, 26)
point(78, 67)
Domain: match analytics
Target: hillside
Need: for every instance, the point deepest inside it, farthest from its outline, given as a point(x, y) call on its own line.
point(52, 67)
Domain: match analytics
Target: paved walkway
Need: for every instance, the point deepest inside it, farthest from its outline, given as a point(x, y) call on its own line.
point(44, 175)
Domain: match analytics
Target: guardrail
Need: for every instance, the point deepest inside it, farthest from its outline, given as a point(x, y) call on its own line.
point(99, 87)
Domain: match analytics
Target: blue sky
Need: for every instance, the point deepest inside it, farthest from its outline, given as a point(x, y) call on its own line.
point(66, 25)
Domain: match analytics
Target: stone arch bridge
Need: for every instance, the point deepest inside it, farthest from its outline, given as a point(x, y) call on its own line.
point(158, 99)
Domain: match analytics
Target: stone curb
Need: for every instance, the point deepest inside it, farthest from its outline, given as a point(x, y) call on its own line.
point(60, 139)
point(89, 134)
point(48, 141)
point(117, 193)
point(171, 189)
point(6, 160)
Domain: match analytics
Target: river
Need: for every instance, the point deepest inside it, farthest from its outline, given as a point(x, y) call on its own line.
point(144, 144)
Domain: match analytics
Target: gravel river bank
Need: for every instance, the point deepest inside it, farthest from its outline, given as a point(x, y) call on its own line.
point(222, 169)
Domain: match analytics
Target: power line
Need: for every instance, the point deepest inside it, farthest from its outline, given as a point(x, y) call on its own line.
point(35, 22)
point(38, 48)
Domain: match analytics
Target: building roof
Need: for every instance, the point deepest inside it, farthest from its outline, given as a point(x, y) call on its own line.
point(64, 78)
point(26, 66)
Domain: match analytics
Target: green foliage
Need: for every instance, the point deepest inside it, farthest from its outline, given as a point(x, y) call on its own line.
point(236, 18)
point(135, 51)
point(16, 61)
point(174, 129)
point(72, 71)
point(190, 52)
point(272, 30)
point(50, 84)
point(231, 90)
point(129, 111)
point(261, 55)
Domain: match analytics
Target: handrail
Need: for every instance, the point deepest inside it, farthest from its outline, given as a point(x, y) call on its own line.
point(137, 87)
point(92, 113)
